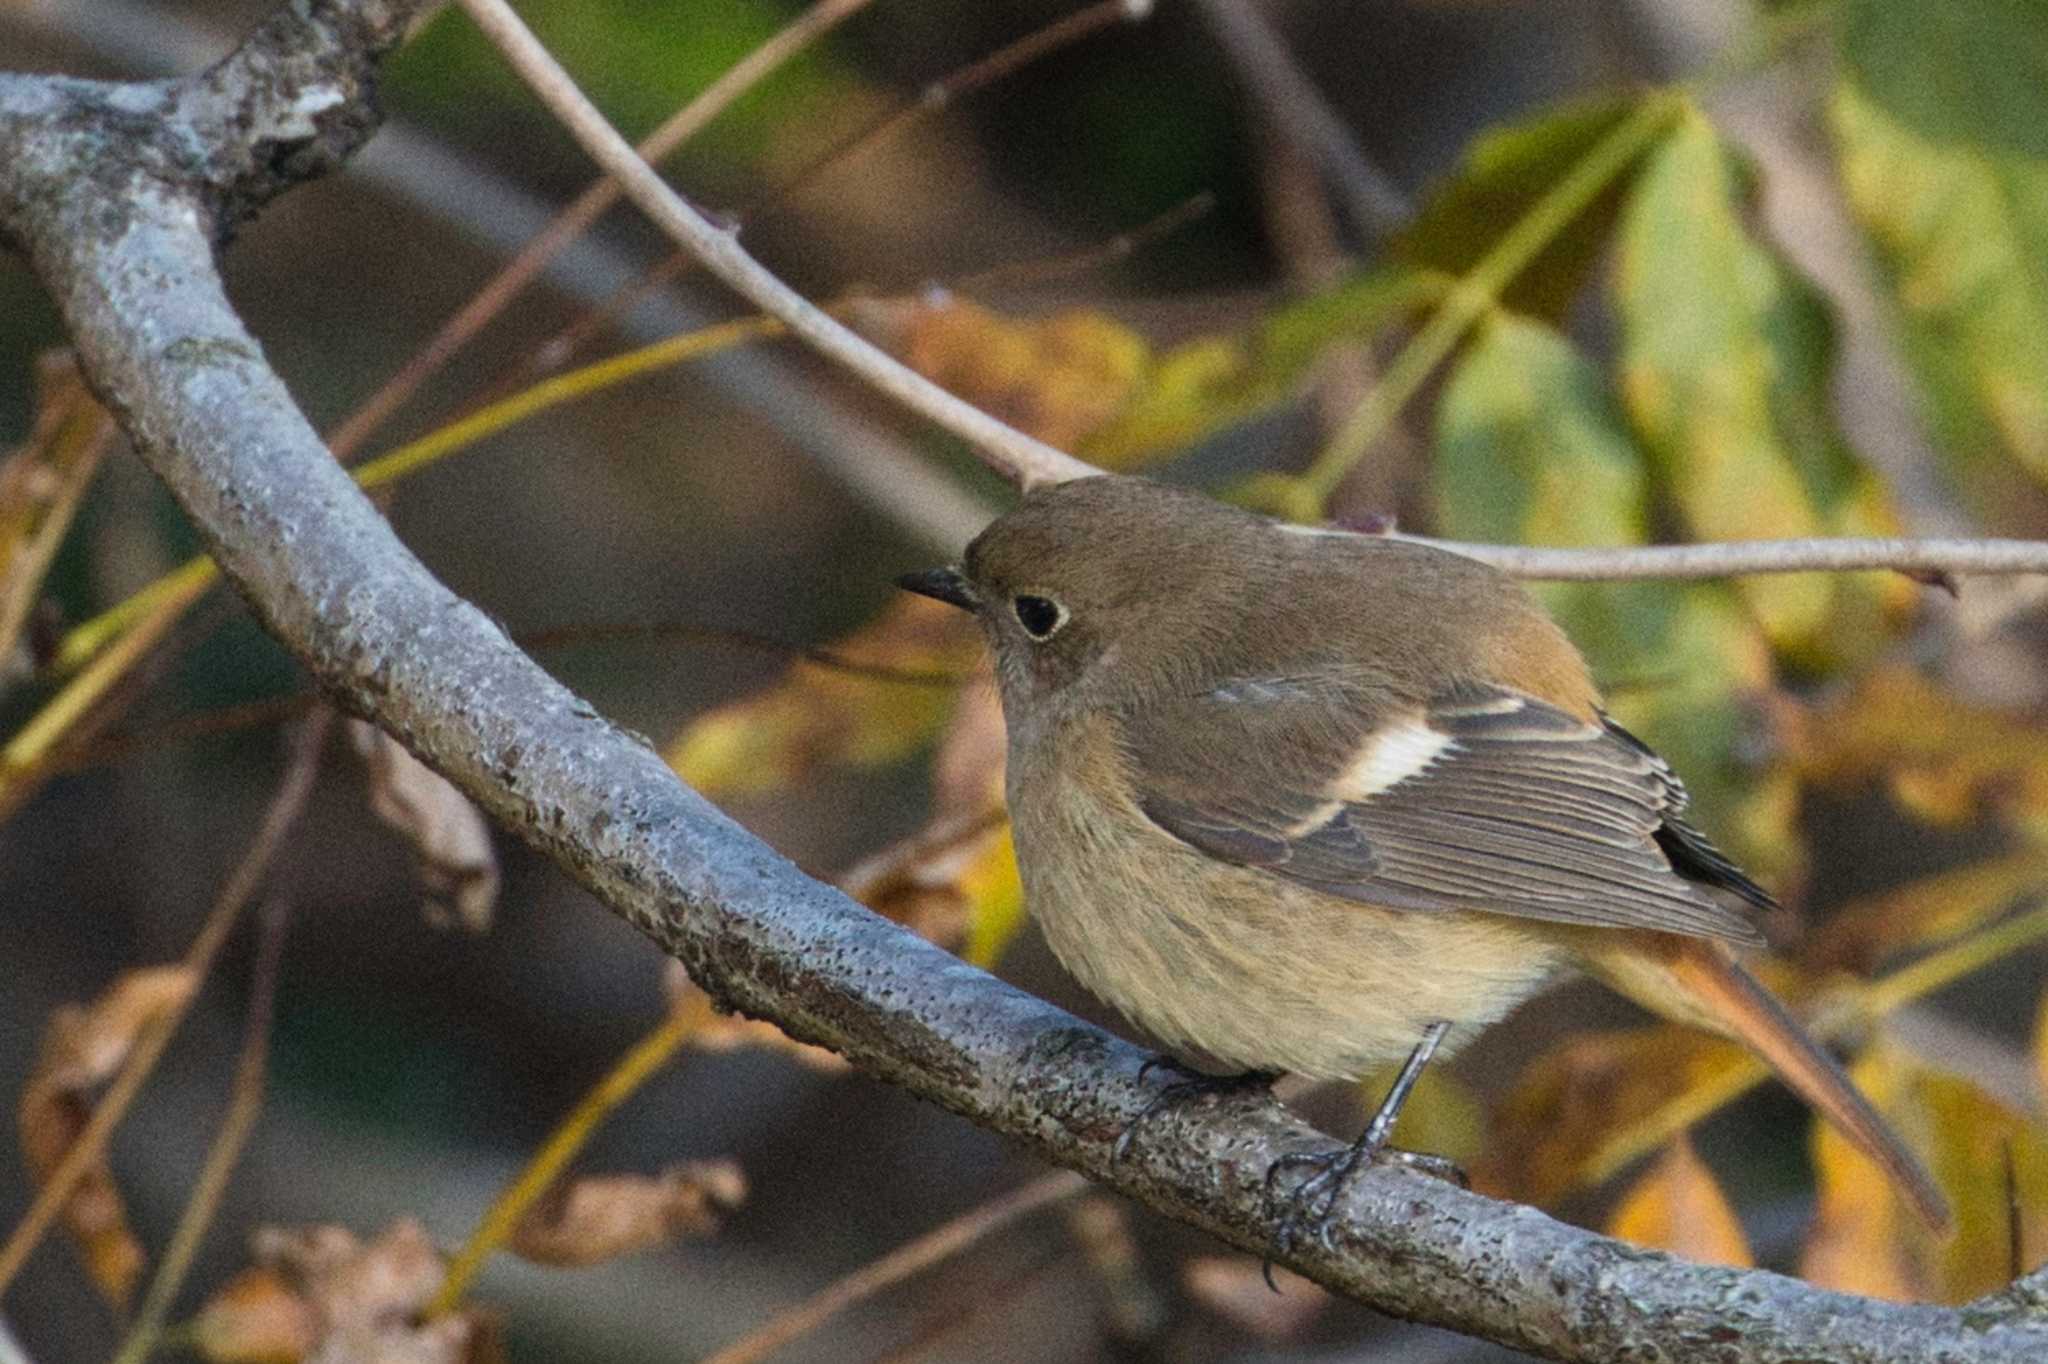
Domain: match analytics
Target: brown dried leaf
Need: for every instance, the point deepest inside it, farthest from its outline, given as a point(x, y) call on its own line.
point(1942, 759)
point(588, 1220)
point(364, 1300)
point(256, 1318)
point(451, 843)
point(1677, 1205)
point(1234, 1288)
point(929, 881)
point(1861, 934)
point(1865, 1240)
point(1057, 378)
point(41, 483)
point(1557, 1129)
point(821, 716)
point(731, 1032)
point(83, 1046)
point(955, 880)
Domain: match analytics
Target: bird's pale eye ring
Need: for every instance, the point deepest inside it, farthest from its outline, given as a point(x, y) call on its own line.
point(1041, 617)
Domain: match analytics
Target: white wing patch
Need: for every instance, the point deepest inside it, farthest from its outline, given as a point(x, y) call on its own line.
point(1391, 755)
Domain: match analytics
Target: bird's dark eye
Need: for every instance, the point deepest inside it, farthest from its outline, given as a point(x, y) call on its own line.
point(1040, 616)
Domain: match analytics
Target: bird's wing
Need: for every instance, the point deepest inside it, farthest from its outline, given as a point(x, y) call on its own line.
point(1482, 799)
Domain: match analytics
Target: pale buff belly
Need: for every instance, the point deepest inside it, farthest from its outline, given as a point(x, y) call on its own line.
point(1256, 972)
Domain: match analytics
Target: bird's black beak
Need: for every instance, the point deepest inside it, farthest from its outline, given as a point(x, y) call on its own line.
point(942, 584)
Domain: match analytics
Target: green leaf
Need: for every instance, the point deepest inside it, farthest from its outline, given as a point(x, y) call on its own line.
point(1503, 175)
point(1210, 382)
point(1941, 124)
point(1532, 449)
point(1725, 361)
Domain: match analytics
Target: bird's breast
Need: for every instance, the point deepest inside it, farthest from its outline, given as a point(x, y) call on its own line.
point(1232, 965)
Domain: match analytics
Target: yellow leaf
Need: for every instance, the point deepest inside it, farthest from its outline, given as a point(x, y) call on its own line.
point(41, 483)
point(1058, 378)
point(1678, 1206)
point(822, 716)
point(1864, 1240)
point(1860, 935)
point(1557, 1128)
point(1943, 759)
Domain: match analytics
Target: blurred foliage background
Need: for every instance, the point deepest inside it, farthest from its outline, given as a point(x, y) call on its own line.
point(1619, 271)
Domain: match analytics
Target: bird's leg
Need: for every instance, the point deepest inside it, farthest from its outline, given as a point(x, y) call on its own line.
point(1313, 1201)
point(1196, 1086)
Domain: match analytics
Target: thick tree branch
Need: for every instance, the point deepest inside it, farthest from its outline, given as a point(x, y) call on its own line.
point(118, 194)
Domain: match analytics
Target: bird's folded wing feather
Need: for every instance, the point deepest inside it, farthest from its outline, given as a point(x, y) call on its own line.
point(1483, 799)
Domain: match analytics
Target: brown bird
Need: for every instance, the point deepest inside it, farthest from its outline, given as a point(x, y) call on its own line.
point(1301, 801)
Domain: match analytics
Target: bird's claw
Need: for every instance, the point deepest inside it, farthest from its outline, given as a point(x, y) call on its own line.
point(1311, 1205)
point(1195, 1086)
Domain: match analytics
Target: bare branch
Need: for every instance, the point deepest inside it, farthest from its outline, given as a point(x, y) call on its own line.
point(1285, 95)
point(1928, 558)
point(940, 1243)
point(1016, 456)
point(126, 253)
point(573, 221)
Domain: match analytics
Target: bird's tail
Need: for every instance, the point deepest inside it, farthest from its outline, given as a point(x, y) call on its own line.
point(1699, 982)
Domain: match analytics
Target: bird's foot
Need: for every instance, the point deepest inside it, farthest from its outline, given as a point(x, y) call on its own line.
point(1311, 1205)
point(1196, 1086)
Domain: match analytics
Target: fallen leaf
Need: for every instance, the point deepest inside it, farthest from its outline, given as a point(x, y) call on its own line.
point(1677, 1205)
point(587, 1220)
point(83, 1047)
point(451, 842)
point(819, 716)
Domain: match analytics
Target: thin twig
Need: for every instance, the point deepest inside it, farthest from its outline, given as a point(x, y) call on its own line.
point(1285, 95)
point(244, 1106)
point(938, 1244)
point(644, 1060)
point(1738, 558)
point(1010, 452)
point(946, 1320)
point(1111, 251)
point(832, 661)
point(1476, 292)
point(573, 221)
point(301, 766)
point(1004, 61)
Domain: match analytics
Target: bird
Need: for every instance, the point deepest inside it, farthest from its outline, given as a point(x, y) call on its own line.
point(1295, 800)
